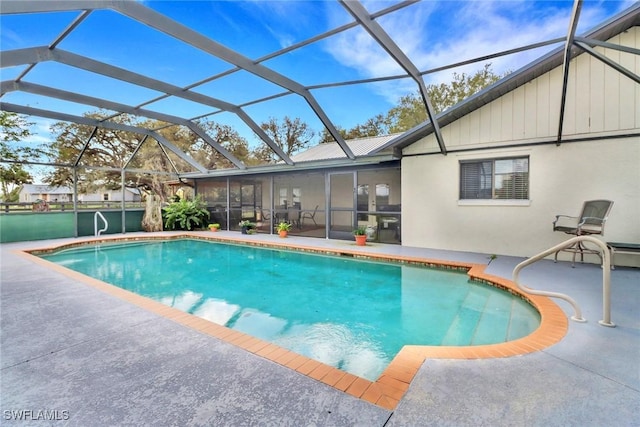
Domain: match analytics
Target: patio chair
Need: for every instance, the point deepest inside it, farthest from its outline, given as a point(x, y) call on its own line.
point(309, 215)
point(590, 222)
point(265, 219)
point(293, 216)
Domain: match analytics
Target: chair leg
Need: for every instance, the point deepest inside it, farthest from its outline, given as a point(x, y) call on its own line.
point(581, 249)
point(575, 249)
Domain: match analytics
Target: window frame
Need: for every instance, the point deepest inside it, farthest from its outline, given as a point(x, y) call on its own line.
point(466, 175)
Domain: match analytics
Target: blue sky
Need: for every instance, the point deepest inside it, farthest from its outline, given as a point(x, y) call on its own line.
point(431, 33)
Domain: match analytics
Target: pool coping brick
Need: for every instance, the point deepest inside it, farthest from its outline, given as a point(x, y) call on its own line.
point(394, 381)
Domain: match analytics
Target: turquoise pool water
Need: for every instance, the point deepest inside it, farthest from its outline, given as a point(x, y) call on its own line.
point(351, 314)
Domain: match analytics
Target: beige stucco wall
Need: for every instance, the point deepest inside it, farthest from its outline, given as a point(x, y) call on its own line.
point(600, 103)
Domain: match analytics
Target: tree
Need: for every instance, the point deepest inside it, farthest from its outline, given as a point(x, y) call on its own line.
point(291, 136)
point(372, 127)
point(411, 110)
point(11, 178)
point(114, 149)
point(326, 137)
point(105, 149)
point(201, 151)
point(14, 128)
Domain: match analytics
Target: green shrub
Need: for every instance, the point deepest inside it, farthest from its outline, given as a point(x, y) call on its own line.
point(185, 214)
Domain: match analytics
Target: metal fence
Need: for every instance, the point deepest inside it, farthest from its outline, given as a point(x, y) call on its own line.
point(19, 226)
point(44, 206)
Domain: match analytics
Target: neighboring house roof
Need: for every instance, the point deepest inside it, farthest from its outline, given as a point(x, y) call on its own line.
point(608, 29)
point(45, 189)
point(331, 150)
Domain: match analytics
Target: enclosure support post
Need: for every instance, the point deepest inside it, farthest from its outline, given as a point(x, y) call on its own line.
point(75, 201)
point(124, 225)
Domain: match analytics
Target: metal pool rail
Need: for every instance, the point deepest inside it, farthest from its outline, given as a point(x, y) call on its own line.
point(606, 279)
point(95, 223)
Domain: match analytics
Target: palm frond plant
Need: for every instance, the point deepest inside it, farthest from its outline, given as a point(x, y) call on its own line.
point(185, 214)
point(360, 231)
point(284, 226)
point(360, 235)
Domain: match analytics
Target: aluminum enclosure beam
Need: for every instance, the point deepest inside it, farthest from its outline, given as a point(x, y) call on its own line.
point(608, 45)
point(126, 164)
point(19, 109)
point(115, 106)
point(41, 54)
point(577, 6)
point(85, 146)
point(361, 15)
point(281, 52)
point(622, 70)
point(161, 23)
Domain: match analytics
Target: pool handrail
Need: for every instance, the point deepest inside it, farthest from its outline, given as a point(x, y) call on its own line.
point(95, 223)
point(606, 279)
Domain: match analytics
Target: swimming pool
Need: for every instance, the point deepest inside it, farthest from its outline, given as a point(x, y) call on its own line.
point(351, 314)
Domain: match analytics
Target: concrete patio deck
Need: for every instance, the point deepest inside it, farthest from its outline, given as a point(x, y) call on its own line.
point(90, 358)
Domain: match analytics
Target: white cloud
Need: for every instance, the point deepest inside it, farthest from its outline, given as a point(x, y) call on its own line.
point(40, 130)
point(11, 39)
point(283, 20)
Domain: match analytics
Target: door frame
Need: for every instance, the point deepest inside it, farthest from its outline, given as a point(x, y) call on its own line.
point(339, 234)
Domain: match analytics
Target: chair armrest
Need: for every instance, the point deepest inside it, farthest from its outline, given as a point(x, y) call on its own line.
point(564, 216)
point(596, 220)
point(593, 227)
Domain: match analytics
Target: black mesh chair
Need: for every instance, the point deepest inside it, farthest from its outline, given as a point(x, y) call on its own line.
point(590, 222)
point(309, 215)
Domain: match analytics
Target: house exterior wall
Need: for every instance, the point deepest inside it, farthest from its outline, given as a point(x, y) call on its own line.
point(92, 197)
point(31, 193)
point(601, 103)
point(114, 196)
point(561, 179)
point(53, 197)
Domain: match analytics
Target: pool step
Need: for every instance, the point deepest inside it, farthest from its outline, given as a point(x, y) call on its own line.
point(462, 327)
point(493, 325)
point(522, 321)
point(487, 317)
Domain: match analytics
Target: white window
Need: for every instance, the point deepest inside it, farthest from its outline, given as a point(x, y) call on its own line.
point(284, 196)
point(297, 196)
point(501, 179)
